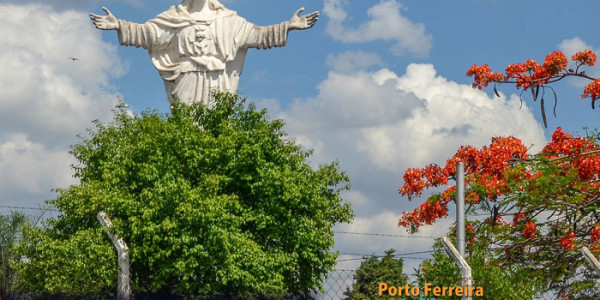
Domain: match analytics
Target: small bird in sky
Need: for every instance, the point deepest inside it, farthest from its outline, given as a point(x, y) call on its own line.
point(74, 58)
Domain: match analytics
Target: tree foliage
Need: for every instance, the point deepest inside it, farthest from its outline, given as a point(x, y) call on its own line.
point(212, 201)
point(496, 280)
point(55, 264)
point(373, 271)
point(531, 211)
point(10, 235)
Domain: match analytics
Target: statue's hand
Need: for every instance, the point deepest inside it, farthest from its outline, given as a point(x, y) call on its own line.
point(107, 22)
point(303, 22)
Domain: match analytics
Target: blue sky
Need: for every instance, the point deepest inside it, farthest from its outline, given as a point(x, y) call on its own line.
point(378, 85)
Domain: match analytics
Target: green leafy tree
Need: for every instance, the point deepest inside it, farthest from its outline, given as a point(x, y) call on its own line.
point(496, 281)
point(373, 271)
point(10, 235)
point(210, 202)
point(81, 264)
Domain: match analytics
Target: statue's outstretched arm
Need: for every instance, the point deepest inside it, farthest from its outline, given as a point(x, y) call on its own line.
point(108, 22)
point(146, 35)
point(303, 22)
point(265, 37)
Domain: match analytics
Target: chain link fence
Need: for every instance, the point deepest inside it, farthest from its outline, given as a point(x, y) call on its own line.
point(338, 281)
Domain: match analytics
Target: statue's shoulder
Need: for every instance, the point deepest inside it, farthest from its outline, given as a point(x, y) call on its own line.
point(226, 12)
point(173, 11)
point(177, 12)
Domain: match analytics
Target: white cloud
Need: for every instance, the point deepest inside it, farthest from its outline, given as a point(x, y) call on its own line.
point(351, 61)
point(571, 46)
point(29, 168)
point(47, 98)
point(50, 97)
point(388, 236)
point(385, 23)
point(385, 122)
point(68, 4)
point(384, 223)
point(574, 45)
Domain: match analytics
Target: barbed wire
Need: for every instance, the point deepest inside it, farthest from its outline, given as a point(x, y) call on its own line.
point(29, 208)
point(389, 235)
point(338, 232)
point(395, 254)
point(400, 255)
point(403, 257)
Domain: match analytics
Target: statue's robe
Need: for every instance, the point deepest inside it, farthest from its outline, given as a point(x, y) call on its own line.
point(196, 56)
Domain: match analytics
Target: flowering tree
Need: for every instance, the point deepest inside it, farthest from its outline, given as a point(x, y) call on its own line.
point(536, 77)
point(530, 210)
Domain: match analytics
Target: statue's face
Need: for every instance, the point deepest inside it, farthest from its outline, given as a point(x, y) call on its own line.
point(195, 2)
point(212, 4)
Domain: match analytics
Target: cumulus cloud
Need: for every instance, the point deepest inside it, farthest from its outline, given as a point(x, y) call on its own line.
point(574, 45)
point(47, 98)
point(50, 97)
point(68, 4)
point(571, 46)
point(351, 61)
point(385, 23)
point(394, 121)
point(377, 124)
point(29, 169)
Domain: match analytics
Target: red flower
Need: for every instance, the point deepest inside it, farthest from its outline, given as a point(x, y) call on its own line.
point(529, 230)
point(554, 63)
point(595, 233)
point(568, 241)
point(483, 76)
point(592, 90)
point(585, 57)
point(517, 218)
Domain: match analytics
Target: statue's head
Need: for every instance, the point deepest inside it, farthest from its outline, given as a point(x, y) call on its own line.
point(212, 4)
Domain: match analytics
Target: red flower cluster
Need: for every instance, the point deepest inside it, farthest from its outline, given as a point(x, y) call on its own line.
point(595, 233)
point(427, 213)
point(486, 167)
point(592, 90)
point(490, 176)
point(568, 241)
point(517, 218)
point(529, 231)
point(530, 73)
point(580, 150)
point(483, 75)
point(421, 179)
point(585, 57)
point(554, 63)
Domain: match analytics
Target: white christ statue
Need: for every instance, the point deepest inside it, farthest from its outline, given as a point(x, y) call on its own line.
point(199, 46)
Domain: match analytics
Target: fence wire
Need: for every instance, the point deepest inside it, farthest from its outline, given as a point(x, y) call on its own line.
point(338, 281)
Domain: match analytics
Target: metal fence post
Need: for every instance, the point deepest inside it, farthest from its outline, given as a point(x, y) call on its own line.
point(123, 287)
point(460, 208)
point(465, 269)
point(591, 259)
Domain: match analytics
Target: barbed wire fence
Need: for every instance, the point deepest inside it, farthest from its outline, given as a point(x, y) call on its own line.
point(338, 281)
